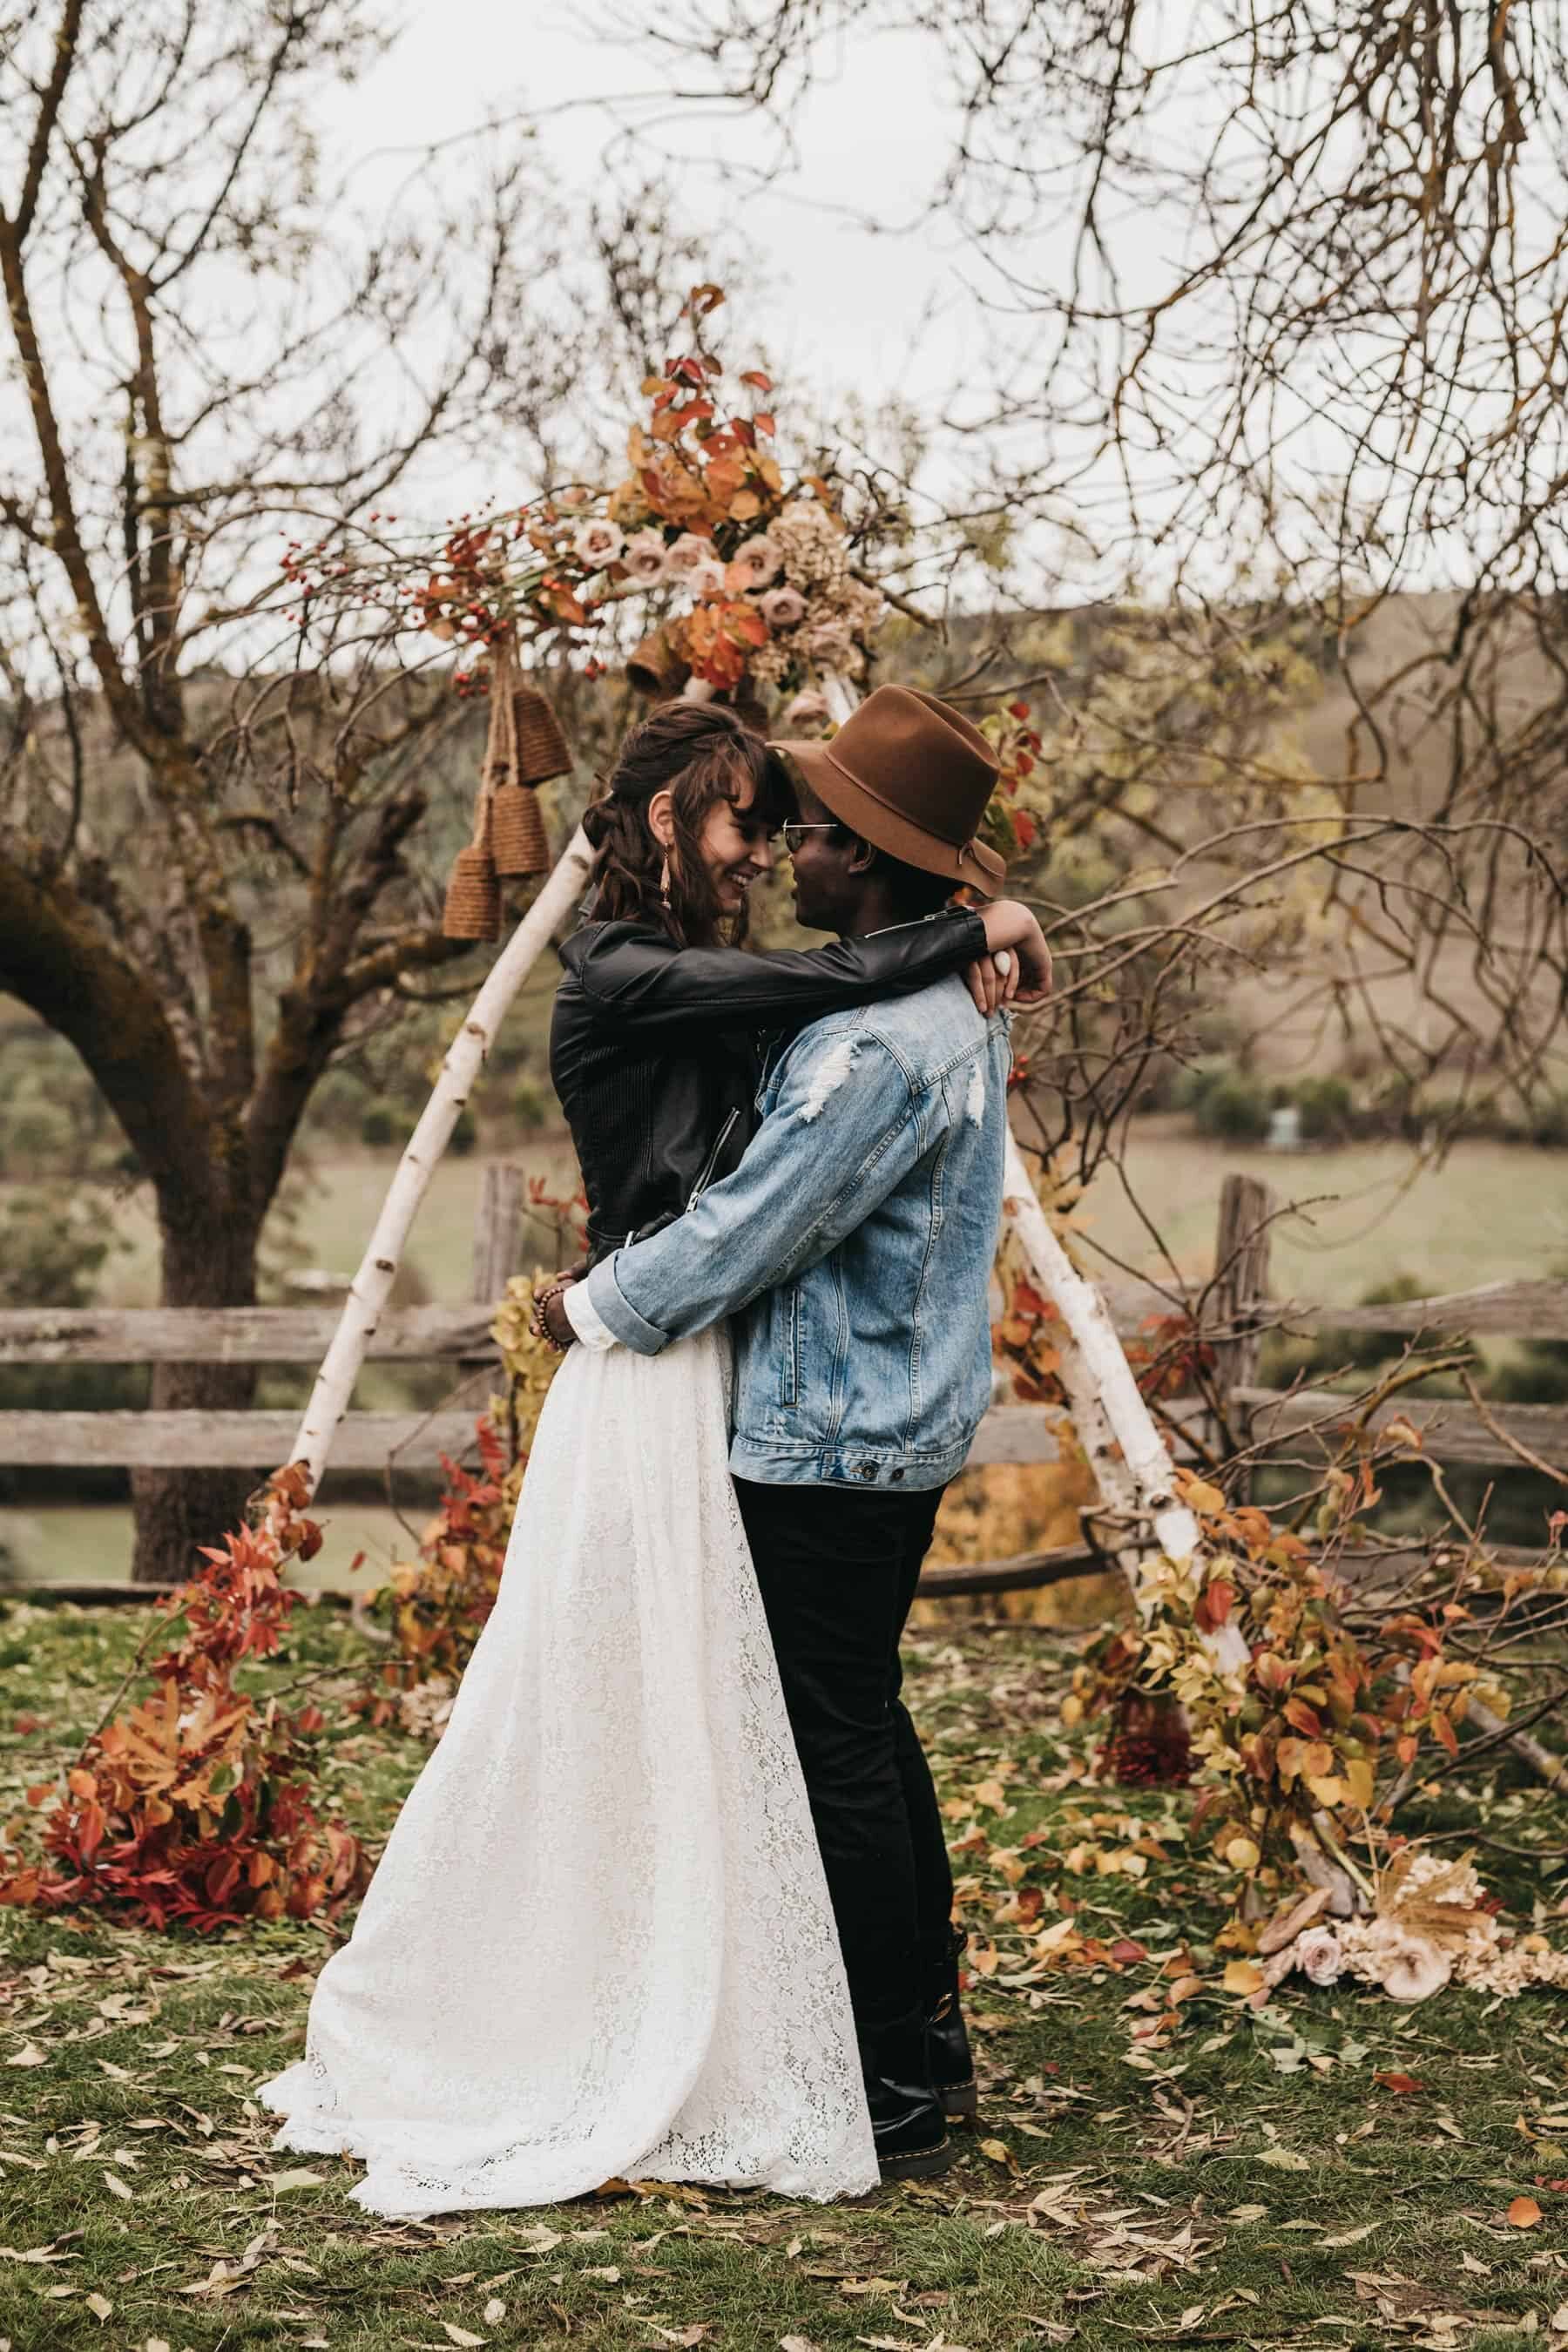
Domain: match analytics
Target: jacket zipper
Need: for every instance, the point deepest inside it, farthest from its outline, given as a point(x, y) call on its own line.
point(712, 1161)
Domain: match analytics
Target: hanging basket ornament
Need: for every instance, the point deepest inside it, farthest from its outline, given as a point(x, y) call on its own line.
point(473, 896)
point(519, 842)
point(541, 748)
point(657, 669)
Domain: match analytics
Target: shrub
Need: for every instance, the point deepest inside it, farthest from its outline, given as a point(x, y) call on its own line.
point(1327, 1108)
point(465, 1134)
point(53, 1248)
point(530, 1108)
point(1234, 1108)
point(40, 1139)
point(378, 1127)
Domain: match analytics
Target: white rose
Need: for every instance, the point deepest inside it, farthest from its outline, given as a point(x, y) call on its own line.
point(807, 709)
point(687, 553)
point(597, 544)
point(1318, 1954)
point(706, 579)
point(1416, 1967)
point(781, 608)
point(643, 556)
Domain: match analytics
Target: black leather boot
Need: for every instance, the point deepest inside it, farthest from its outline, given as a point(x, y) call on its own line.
point(952, 2065)
point(907, 2118)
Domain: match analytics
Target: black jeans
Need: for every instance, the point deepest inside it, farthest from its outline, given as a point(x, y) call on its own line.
point(838, 1572)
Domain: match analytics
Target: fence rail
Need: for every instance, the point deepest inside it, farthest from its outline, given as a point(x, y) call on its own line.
point(1236, 1310)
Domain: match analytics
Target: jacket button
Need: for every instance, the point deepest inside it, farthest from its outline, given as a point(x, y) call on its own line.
point(866, 1470)
point(894, 1475)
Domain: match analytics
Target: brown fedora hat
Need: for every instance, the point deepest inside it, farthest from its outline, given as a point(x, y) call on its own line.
point(911, 777)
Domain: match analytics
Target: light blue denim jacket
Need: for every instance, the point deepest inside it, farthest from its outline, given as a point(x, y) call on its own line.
point(854, 1246)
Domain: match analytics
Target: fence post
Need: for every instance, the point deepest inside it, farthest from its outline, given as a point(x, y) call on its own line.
point(497, 1230)
point(1240, 1284)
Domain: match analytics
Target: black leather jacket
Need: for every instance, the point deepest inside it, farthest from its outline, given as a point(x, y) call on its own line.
point(655, 1050)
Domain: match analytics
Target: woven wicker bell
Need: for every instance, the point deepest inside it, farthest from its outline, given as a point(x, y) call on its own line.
point(541, 747)
point(656, 668)
point(517, 838)
point(473, 897)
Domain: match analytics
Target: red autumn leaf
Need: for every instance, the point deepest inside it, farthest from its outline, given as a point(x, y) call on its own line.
point(1213, 1605)
point(1026, 831)
point(1402, 2085)
point(1303, 1718)
point(763, 422)
point(757, 380)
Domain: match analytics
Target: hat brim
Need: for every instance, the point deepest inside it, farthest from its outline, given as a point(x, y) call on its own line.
point(971, 861)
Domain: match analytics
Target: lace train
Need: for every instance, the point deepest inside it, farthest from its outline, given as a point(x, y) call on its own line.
point(599, 1941)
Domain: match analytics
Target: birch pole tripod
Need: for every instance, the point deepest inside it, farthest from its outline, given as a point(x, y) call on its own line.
point(1131, 1462)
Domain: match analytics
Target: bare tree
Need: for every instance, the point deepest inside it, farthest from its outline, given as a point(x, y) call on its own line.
point(207, 880)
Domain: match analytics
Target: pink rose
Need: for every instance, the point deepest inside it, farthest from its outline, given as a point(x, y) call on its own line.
point(755, 562)
point(687, 551)
point(1318, 1954)
point(781, 608)
point(597, 544)
point(706, 579)
point(643, 556)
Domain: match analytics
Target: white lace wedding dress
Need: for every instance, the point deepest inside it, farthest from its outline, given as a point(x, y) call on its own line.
point(599, 1941)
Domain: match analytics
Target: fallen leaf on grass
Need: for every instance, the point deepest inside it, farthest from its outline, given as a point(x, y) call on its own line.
point(463, 2335)
point(1350, 2237)
point(29, 2054)
point(1242, 1977)
point(100, 2305)
point(1283, 2159)
point(117, 2187)
point(1402, 2085)
point(998, 2151)
point(281, 2182)
point(692, 2334)
point(1525, 2213)
point(796, 2344)
point(494, 2312)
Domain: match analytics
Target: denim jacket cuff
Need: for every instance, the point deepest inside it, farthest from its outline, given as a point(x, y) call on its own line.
point(617, 1314)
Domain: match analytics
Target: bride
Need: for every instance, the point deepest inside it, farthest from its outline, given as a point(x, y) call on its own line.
point(599, 1940)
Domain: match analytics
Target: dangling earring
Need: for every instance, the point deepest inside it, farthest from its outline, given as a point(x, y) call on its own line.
point(664, 882)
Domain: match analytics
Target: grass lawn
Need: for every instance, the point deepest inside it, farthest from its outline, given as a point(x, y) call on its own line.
point(1330, 2171)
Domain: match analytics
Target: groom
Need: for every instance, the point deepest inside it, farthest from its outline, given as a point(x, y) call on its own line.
point(854, 1246)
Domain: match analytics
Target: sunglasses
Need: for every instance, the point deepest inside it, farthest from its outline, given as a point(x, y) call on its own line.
point(792, 835)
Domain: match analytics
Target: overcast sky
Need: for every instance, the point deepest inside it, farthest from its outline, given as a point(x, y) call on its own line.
point(842, 305)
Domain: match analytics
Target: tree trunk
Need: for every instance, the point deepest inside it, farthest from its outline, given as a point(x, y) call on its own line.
point(209, 1260)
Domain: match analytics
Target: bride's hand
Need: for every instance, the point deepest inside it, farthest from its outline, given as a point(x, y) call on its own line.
point(550, 1321)
point(1011, 929)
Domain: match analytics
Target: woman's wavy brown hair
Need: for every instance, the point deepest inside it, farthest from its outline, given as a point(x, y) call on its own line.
point(701, 754)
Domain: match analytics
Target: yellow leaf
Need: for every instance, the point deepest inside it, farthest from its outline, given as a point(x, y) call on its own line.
point(1242, 1977)
point(1201, 1497)
point(991, 1793)
point(998, 2150)
point(1328, 1790)
point(1241, 1852)
point(1357, 1776)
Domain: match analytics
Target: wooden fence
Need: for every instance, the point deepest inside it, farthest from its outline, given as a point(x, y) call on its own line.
point(1235, 1311)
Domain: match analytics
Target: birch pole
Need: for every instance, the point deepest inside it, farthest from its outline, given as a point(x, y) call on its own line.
point(371, 1285)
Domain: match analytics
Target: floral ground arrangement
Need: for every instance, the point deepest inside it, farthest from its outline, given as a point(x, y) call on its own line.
point(1160, 2157)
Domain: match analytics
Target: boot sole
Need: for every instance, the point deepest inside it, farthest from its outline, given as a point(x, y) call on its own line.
point(961, 2102)
point(919, 2163)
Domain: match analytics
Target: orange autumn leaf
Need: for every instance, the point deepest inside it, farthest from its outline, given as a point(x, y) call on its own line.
point(1523, 2213)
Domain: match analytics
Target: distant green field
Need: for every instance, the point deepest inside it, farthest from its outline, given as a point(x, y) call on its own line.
point(1491, 1211)
point(1494, 1211)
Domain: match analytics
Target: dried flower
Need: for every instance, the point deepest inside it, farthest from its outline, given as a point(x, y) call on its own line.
point(599, 543)
point(808, 710)
point(755, 562)
point(686, 554)
point(1318, 1954)
point(706, 579)
point(781, 608)
point(643, 556)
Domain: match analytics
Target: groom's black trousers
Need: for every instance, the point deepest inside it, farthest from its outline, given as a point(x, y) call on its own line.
point(838, 1572)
